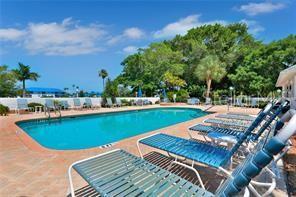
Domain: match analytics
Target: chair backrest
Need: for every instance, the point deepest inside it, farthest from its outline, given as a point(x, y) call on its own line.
point(139, 102)
point(239, 102)
point(76, 102)
point(88, 102)
point(64, 103)
point(109, 101)
point(275, 113)
point(249, 130)
point(22, 104)
point(49, 103)
point(253, 102)
point(255, 162)
point(118, 101)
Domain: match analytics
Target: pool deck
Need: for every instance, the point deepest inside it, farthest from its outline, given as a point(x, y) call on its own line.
point(28, 169)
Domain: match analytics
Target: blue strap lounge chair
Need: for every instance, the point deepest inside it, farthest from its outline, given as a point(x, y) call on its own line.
point(214, 156)
point(217, 132)
point(240, 125)
point(119, 173)
point(236, 117)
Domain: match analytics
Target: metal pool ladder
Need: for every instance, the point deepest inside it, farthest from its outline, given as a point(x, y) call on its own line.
point(56, 109)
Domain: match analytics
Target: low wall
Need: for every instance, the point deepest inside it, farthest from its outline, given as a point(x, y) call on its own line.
point(11, 102)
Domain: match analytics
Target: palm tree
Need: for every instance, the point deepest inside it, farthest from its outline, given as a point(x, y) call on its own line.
point(210, 69)
point(24, 73)
point(103, 74)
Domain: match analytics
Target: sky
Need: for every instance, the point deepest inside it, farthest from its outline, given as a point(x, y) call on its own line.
point(68, 42)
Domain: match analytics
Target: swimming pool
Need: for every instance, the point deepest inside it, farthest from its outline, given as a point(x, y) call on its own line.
point(87, 131)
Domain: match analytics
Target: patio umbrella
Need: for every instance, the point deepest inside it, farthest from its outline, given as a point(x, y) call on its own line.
point(140, 94)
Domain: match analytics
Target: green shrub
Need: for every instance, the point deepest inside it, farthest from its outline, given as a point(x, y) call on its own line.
point(34, 104)
point(182, 95)
point(125, 102)
point(3, 110)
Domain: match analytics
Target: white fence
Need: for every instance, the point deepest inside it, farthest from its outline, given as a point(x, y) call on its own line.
point(12, 103)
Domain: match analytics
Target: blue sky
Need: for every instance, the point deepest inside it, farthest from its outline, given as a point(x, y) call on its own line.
point(67, 42)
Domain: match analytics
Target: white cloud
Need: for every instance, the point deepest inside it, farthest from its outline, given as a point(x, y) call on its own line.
point(253, 9)
point(130, 49)
point(133, 33)
point(253, 26)
point(11, 34)
point(182, 26)
point(65, 38)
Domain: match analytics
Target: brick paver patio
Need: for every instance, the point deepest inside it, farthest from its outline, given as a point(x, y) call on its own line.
point(28, 169)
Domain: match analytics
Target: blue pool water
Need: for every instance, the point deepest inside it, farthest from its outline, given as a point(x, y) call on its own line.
point(80, 132)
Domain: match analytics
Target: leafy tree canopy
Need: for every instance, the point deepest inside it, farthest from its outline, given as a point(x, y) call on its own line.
point(7, 82)
point(241, 61)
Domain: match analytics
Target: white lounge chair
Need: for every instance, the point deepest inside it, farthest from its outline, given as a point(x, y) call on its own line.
point(22, 104)
point(110, 103)
point(118, 102)
point(77, 103)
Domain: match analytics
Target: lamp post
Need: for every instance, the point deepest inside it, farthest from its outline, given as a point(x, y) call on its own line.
point(231, 93)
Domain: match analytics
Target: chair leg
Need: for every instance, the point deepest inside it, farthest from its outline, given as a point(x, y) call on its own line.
point(191, 168)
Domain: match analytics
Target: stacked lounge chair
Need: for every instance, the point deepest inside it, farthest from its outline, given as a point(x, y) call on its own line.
point(272, 110)
point(119, 173)
point(240, 125)
point(236, 117)
point(217, 157)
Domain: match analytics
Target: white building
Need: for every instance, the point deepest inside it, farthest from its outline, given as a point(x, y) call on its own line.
point(287, 80)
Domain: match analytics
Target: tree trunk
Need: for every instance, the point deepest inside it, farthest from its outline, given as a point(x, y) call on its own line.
point(209, 82)
point(103, 84)
point(24, 89)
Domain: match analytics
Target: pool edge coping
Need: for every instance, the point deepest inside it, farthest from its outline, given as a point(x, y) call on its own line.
point(33, 145)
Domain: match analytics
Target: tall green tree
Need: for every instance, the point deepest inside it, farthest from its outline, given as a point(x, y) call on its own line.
point(259, 69)
point(111, 89)
point(210, 69)
point(24, 73)
point(7, 82)
point(148, 66)
point(103, 74)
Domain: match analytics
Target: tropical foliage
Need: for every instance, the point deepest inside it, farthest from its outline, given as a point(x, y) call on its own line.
point(7, 82)
point(103, 74)
point(24, 73)
point(208, 54)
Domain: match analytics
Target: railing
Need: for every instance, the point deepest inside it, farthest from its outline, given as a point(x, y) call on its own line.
point(56, 109)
